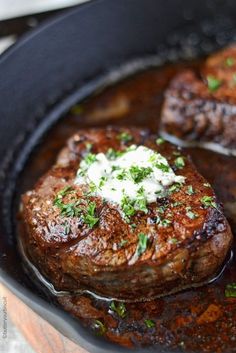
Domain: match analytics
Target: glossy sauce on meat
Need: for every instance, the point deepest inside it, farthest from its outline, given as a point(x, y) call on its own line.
point(201, 319)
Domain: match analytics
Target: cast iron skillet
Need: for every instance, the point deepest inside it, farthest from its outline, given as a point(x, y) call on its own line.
point(64, 61)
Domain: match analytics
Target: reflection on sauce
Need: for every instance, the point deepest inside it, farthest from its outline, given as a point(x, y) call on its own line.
point(201, 319)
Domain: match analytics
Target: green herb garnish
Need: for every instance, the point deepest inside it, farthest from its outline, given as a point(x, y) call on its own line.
point(65, 191)
point(119, 309)
point(230, 290)
point(139, 173)
point(102, 181)
point(122, 243)
point(190, 190)
point(208, 201)
point(177, 203)
point(89, 218)
point(165, 222)
point(100, 327)
point(113, 154)
point(229, 61)
point(149, 323)
point(165, 168)
point(90, 158)
point(179, 162)
point(92, 187)
point(88, 146)
point(142, 243)
point(141, 205)
point(122, 175)
point(174, 188)
point(213, 83)
point(71, 209)
point(127, 206)
point(125, 137)
point(160, 141)
point(190, 214)
point(173, 241)
point(161, 209)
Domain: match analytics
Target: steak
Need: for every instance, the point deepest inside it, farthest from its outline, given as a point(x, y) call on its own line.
point(188, 237)
point(201, 108)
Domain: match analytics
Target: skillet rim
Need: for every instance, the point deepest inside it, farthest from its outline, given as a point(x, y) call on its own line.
point(23, 293)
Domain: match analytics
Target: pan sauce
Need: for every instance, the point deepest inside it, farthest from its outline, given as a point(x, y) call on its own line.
point(201, 319)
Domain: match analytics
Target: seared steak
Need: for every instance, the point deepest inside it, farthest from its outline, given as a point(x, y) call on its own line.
point(202, 108)
point(185, 236)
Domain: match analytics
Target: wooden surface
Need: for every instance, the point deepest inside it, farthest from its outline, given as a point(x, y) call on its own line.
point(40, 334)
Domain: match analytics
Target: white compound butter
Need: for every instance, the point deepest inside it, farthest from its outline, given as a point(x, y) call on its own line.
point(137, 173)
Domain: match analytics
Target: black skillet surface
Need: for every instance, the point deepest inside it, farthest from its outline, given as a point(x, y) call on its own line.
point(66, 60)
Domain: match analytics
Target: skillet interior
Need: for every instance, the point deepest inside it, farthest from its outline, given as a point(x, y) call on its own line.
point(28, 100)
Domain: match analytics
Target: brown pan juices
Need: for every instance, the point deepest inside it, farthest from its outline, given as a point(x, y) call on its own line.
point(202, 319)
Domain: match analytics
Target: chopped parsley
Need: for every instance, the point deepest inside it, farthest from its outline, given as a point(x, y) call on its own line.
point(230, 290)
point(92, 187)
point(229, 62)
point(149, 323)
point(100, 327)
point(127, 206)
point(208, 201)
point(160, 141)
point(234, 79)
point(133, 225)
point(213, 83)
point(163, 167)
point(190, 214)
point(89, 218)
point(173, 241)
point(74, 209)
point(123, 243)
point(125, 137)
point(174, 188)
point(88, 146)
point(179, 162)
point(177, 203)
point(119, 309)
point(165, 222)
point(142, 243)
point(90, 158)
point(113, 154)
point(190, 190)
point(63, 192)
point(161, 209)
point(71, 209)
point(141, 201)
point(139, 173)
point(122, 175)
point(102, 181)
point(141, 205)
point(176, 153)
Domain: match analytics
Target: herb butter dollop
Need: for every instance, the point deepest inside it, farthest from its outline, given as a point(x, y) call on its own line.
point(138, 175)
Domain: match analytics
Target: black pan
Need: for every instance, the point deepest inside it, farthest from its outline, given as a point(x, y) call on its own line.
point(66, 60)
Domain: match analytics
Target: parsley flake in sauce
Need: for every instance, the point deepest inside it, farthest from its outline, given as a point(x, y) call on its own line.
point(213, 83)
point(142, 243)
point(230, 290)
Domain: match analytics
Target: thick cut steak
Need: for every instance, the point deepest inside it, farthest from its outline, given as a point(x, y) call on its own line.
point(201, 107)
point(188, 235)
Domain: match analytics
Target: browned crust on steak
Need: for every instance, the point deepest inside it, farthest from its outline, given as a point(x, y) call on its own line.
point(192, 112)
point(92, 258)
